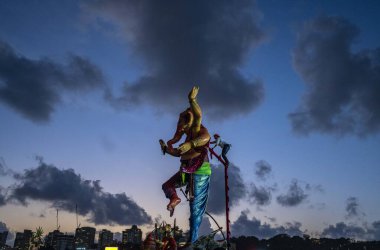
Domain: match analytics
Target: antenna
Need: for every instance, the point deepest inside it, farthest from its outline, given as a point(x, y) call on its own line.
point(76, 212)
point(57, 221)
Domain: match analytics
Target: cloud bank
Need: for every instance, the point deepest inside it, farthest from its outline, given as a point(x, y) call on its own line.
point(341, 229)
point(64, 188)
point(33, 88)
point(238, 190)
point(245, 226)
point(343, 86)
point(183, 44)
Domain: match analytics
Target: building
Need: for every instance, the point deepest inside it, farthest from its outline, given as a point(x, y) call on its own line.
point(19, 241)
point(51, 239)
point(105, 238)
point(22, 240)
point(3, 238)
point(65, 242)
point(28, 234)
point(132, 236)
point(84, 237)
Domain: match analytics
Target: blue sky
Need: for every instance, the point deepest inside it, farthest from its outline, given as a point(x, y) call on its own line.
point(332, 166)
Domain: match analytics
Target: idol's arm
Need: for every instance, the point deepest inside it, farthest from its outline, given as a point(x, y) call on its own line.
point(196, 109)
point(201, 139)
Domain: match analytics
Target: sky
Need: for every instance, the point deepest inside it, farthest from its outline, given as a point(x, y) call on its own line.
point(87, 88)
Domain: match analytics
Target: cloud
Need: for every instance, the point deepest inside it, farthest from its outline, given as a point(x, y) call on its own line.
point(318, 188)
point(375, 230)
point(238, 190)
point(295, 195)
point(352, 208)
point(65, 188)
point(254, 227)
point(262, 170)
point(205, 227)
point(4, 170)
point(346, 231)
point(34, 87)
point(261, 196)
point(343, 90)
point(366, 232)
point(183, 44)
point(2, 196)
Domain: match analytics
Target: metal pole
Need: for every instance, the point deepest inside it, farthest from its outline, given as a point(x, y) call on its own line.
point(227, 204)
point(226, 188)
point(76, 213)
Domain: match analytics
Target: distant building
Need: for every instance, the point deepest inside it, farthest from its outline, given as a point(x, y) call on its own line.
point(84, 237)
point(22, 240)
point(19, 241)
point(3, 238)
point(132, 235)
point(52, 238)
point(65, 242)
point(28, 234)
point(105, 238)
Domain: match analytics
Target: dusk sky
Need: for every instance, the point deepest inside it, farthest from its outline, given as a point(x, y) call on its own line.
point(87, 88)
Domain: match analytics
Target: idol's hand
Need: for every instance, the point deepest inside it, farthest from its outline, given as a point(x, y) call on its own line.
point(184, 147)
point(163, 146)
point(193, 93)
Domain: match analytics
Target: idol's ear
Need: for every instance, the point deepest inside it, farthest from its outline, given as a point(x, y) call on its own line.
point(190, 118)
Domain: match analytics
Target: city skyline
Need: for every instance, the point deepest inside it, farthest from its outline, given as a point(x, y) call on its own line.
point(87, 89)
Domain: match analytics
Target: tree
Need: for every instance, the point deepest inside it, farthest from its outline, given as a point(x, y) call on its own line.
point(36, 240)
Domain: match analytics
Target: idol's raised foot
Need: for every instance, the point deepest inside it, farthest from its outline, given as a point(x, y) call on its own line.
point(174, 201)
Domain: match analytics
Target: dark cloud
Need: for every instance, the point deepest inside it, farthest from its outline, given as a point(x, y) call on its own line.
point(262, 169)
point(295, 195)
point(65, 188)
point(254, 227)
point(260, 196)
point(271, 219)
point(366, 232)
point(2, 196)
point(34, 87)
point(238, 190)
point(346, 231)
point(352, 208)
point(205, 228)
point(343, 90)
point(375, 230)
point(318, 188)
point(186, 43)
point(4, 170)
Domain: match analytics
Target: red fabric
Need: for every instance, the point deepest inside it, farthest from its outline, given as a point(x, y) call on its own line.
point(192, 165)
